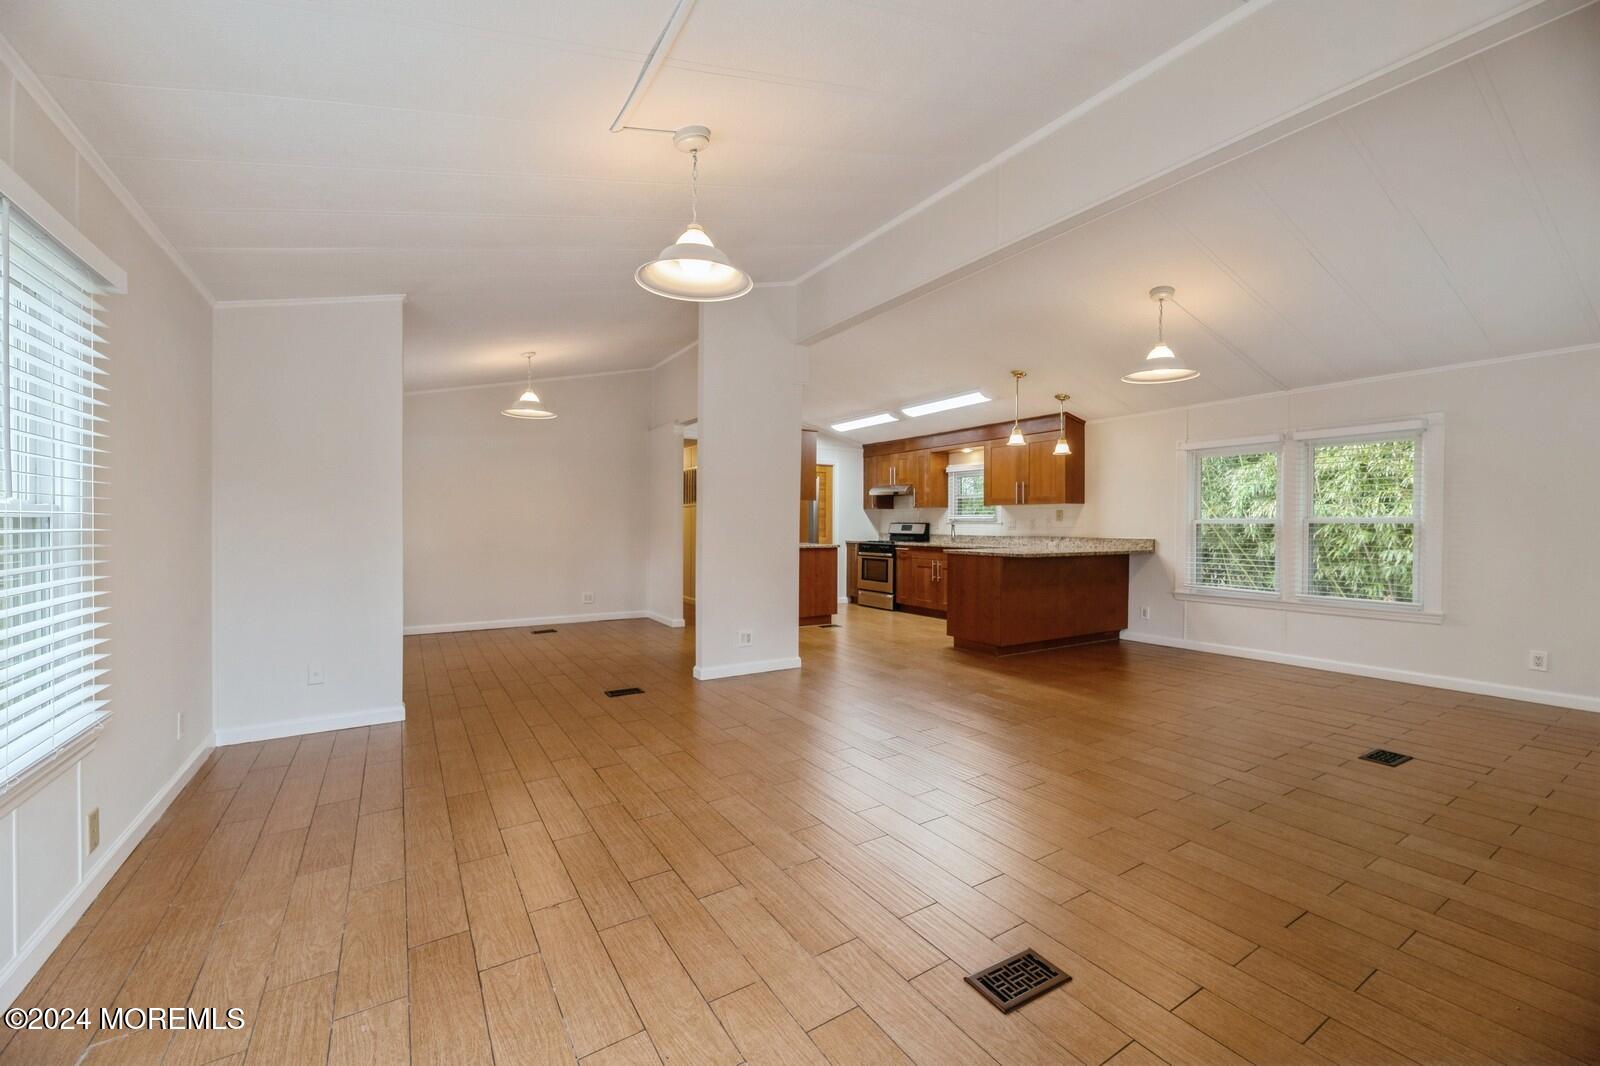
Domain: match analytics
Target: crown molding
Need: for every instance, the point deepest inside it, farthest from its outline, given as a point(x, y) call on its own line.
point(26, 78)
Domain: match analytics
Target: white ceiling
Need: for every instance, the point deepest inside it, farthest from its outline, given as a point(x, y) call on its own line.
point(458, 151)
point(1454, 219)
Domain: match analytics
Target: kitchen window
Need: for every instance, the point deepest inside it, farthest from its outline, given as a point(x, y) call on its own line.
point(1342, 521)
point(52, 650)
point(966, 496)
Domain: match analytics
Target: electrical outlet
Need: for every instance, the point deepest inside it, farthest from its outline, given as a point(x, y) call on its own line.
point(94, 829)
point(746, 638)
point(588, 597)
point(1061, 514)
point(314, 674)
point(1539, 660)
point(1144, 612)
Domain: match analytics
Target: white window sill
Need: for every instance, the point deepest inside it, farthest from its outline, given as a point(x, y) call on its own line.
point(41, 773)
point(1377, 611)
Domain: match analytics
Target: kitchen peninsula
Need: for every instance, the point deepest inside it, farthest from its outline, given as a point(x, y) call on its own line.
point(1046, 593)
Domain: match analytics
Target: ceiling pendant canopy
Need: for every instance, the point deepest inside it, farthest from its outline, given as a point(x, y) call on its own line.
point(1162, 365)
point(692, 268)
point(1016, 440)
point(527, 405)
point(1062, 447)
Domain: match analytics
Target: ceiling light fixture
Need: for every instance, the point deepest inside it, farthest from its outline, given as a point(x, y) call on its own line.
point(1062, 447)
point(527, 405)
point(1161, 366)
point(1016, 440)
point(966, 399)
point(692, 268)
point(863, 423)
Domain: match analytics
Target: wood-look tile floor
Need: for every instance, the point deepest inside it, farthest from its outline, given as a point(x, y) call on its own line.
point(800, 867)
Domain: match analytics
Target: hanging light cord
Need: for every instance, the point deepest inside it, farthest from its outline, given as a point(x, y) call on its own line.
point(694, 187)
point(1161, 320)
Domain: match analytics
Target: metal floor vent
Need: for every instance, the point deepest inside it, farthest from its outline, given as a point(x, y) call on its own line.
point(615, 692)
point(546, 629)
point(1010, 983)
point(1387, 758)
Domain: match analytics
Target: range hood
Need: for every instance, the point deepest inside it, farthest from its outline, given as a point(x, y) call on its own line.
point(889, 490)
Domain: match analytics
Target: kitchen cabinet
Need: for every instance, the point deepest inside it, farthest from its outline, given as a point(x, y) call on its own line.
point(1033, 473)
point(919, 580)
point(819, 584)
point(929, 482)
point(923, 471)
point(850, 571)
point(808, 465)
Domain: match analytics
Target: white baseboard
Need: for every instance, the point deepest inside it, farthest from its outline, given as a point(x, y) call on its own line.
point(844, 599)
point(711, 673)
point(661, 619)
point(293, 727)
point(515, 623)
point(31, 955)
point(1411, 677)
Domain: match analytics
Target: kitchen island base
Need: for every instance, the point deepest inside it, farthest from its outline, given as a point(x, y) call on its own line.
point(1011, 604)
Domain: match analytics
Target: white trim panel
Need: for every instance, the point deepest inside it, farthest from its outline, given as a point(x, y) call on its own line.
point(32, 955)
point(294, 727)
point(763, 666)
point(1572, 700)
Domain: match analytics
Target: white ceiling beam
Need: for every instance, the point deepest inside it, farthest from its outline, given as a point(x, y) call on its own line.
point(1261, 74)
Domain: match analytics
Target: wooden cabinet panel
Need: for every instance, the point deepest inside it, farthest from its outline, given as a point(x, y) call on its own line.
point(850, 572)
point(931, 485)
point(919, 578)
point(1047, 473)
point(1004, 470)
point(819, 585)
point(808, 464)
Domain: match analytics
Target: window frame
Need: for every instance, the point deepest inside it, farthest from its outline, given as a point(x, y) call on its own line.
point(1193, 458)
point(954, 471)
point(1295, 492)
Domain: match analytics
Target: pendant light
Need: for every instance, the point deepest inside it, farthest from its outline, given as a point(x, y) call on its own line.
point(1062, 447)
point(527, 405)
point(1161, 366)
point(692, 268)
point(1016, 439)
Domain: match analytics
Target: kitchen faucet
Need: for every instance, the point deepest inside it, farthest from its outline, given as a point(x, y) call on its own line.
point(952, 529)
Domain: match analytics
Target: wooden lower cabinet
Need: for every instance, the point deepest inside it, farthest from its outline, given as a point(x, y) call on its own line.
point(1002, 605)
point(819, 585)
point(850, 572)
point(920, 580)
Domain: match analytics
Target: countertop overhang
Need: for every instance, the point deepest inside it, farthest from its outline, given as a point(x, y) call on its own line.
point(1035, 547)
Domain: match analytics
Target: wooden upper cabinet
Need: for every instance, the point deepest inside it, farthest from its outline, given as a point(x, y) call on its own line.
point(1055, 478)
point(931, 484)
point(1005, 469)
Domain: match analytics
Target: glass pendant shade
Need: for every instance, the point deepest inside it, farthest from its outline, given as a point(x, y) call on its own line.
point(1162, 365)
point(693, 269)
point(527, 405)
point(1016, 440)
point(1062, 447)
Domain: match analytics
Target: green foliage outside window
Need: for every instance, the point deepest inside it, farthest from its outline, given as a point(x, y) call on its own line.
point(1364, 560)
point(966, 495)
point(1236, 554)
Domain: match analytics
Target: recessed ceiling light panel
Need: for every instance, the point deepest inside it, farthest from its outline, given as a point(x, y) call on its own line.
point(863, 423)
point(950, 403)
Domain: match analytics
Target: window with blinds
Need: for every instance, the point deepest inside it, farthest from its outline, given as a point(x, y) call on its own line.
point(52, 654)
point(1234, 521)
point(1361, 530)
point(966, 497)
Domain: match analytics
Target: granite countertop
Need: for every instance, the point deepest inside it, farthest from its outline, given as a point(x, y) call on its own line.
point(816, 547)
point(1036, 546)
point(1044, 547)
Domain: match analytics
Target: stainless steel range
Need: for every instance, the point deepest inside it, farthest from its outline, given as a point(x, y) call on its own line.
point(875, 564)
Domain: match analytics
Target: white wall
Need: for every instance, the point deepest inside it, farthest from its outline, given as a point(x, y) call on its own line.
point(850, 519)
point(510, 522)
point(158, 550)
point(306, 415)
point(747, 564)
point(1521, 514)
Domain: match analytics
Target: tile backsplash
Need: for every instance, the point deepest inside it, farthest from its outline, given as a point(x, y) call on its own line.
point(1039, 520)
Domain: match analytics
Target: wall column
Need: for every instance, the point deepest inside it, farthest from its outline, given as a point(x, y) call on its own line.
point(747, 560)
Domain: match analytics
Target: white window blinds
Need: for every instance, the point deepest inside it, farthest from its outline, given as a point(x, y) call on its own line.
point(51, 651)
point(1234, 521)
